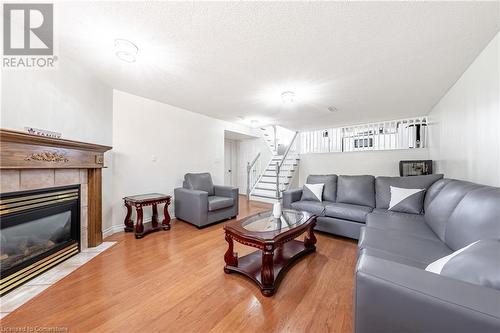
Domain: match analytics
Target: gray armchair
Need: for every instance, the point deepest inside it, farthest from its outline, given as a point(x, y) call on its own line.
point(201, 203)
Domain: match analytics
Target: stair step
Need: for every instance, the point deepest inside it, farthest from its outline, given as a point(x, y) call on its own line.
point(265, 196)
point(264, 182)
point(265, 189)
point(275, 176)
point(291, 170)
point(287, 164)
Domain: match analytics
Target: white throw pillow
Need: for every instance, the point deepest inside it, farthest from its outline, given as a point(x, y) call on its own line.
point(437, 266)
point(406, 200)
point(315, 192)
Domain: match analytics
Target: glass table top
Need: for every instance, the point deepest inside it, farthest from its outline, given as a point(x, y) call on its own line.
point(146, 197)
point(266, 222)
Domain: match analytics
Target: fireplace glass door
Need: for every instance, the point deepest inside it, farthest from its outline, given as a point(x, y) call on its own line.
point(38, 230)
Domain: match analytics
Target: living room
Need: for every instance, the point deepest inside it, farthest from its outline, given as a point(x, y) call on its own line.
point(250, 166)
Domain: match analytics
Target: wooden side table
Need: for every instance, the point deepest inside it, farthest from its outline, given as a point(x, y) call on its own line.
point(139, 201)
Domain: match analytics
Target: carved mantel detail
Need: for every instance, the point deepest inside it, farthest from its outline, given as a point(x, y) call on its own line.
point(19, 150)
point(47, 156)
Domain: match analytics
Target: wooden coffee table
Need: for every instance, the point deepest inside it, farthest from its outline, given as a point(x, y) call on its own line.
point(276, 244)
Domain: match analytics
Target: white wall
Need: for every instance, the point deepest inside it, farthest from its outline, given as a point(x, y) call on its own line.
point(66, 100)
point(377, 163)
point(155, 144)
point(465, 124)
point(247, 151)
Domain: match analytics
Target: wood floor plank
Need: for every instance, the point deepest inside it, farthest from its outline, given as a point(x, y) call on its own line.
point(173, 281)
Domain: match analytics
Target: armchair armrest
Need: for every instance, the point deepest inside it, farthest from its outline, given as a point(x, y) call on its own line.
point(392, 297)
point(229, 192)
point(191, 205)
point(226, 191)
point(290, 196)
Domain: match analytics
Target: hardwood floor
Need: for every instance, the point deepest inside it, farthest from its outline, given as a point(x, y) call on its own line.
point(173, 281)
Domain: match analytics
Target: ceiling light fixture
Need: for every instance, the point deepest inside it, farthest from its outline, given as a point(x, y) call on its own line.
point(125, 50)
point(288, 97)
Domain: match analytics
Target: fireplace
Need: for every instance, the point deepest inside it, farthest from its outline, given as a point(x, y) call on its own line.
point(39, 229)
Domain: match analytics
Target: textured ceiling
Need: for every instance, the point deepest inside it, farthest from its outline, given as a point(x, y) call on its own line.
point(232, 60)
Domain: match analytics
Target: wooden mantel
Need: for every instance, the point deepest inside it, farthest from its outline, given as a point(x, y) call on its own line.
point(20, 150)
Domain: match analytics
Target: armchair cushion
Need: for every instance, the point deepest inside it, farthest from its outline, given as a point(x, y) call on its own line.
point(215, 203)
point(200, 182)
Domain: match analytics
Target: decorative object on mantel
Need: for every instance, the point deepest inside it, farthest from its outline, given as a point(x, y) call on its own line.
point(19, 150)
point(139, 201)
point(41, 132)
point(415, 168)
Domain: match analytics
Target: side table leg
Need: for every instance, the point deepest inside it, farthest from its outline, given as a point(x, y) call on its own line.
point(129, 224)
point(230, 257)
point(139, 227)
point(166, 220)
point(154, 218)
point(267, 271)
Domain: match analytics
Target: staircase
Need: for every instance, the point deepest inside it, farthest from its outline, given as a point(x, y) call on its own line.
point(265, 188)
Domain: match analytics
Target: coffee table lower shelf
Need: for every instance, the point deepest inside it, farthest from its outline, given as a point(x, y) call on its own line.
point(252, 265)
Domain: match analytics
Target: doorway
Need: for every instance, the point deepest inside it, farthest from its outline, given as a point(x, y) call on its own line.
point(230, 162)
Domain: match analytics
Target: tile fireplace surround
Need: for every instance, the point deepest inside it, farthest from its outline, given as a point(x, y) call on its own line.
point(34, 179)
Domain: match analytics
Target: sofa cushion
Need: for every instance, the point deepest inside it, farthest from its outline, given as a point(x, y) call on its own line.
point(314, 207)
point(312, 192)
point(215, 203)
point(477, 216)
point(400, 243)
point(357, 190)
point(200, 182)
point(461, 212)
point(394, 257)
point(410, 224)
point(347, 211)
point(382, 186)
point(478, 263)
point(330, 188)
point(405, 200)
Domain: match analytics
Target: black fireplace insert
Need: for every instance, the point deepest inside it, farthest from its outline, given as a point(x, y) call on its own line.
point(38, 230)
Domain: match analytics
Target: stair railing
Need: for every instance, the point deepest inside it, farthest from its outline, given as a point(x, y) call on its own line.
point(252, 174)
point(279, 165)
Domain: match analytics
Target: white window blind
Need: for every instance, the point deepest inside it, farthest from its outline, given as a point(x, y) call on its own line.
point(396, 134)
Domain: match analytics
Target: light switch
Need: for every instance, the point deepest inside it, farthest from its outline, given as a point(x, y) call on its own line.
point(153, 158)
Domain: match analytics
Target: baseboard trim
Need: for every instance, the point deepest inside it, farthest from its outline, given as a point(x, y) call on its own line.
point(112, 230)
point(119, 228)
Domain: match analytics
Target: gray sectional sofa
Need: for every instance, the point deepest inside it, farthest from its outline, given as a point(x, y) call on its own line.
point(347, 200)
point(394, 291)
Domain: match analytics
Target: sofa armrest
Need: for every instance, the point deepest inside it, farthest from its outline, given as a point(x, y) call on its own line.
point(226, 191)
point(392, 297)
point(290, 196)
point(191, 205)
